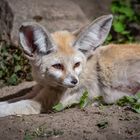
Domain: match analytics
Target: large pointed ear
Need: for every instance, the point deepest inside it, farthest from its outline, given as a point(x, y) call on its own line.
point(35, 39)
point(93, 35)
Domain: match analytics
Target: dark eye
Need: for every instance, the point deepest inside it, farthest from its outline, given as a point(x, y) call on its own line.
point(76, 64)
point(58, 66)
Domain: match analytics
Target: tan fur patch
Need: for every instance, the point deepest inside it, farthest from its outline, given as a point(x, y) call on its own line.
point(64, 39)
point(114, 59)
point(113, 52)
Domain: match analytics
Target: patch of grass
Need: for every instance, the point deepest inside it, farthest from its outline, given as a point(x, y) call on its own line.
point(133, 102)
point(53, 132)
point(58, 107)
point(14, 68)
point(42, 132)
point(83, 102)
point(27, 136)
point(99, 100)
point(102, 124)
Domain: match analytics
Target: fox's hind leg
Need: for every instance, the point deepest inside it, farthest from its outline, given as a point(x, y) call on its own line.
point(112, 95)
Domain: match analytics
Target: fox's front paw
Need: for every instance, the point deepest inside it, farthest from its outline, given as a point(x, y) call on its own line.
point(3, 109)
point(26, 107)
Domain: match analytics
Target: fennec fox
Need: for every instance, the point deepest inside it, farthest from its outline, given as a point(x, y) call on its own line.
point(65, 64)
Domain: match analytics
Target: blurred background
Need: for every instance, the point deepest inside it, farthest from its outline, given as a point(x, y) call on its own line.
point(59, 15)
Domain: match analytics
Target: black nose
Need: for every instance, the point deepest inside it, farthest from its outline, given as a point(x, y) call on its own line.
point(74, 81)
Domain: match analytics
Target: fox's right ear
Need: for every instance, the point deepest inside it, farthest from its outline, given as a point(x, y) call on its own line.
point(35, 39)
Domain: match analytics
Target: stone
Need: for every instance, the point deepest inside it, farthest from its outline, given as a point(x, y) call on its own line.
point(94, 8)
point(6, 20)
point(53, 14)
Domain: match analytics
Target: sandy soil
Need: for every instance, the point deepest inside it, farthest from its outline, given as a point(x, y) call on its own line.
point(90, 123)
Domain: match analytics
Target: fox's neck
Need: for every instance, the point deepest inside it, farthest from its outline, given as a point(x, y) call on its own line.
point(50, 96)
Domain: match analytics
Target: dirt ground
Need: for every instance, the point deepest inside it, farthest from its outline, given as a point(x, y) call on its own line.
point(91, 123)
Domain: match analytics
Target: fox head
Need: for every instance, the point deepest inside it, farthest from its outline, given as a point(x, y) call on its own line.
point(59, 58)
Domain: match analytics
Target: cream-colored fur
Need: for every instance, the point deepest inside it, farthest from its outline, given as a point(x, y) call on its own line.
point(58, 59)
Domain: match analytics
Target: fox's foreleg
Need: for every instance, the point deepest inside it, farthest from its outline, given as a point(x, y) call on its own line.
point(22, 105)
point(36, 89)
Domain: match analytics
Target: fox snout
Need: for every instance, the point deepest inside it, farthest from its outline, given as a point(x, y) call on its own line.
point(71, 81)
point(74, 81)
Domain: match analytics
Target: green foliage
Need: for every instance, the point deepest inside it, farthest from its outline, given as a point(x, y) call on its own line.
point(102, 124)
point(41, 133)
point(14, 68)
point(132, 102)
point(125, 23)
point(28, 136)
point(84, 101)
point(99, 99)
point(58, 107)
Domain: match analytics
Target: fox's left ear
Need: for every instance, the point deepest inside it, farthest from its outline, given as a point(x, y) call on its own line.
point(93, 35)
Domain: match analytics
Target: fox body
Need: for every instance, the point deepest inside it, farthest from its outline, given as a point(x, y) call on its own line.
point(65, 64)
